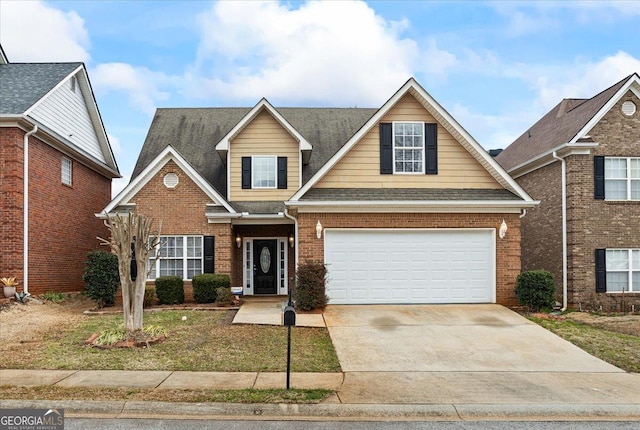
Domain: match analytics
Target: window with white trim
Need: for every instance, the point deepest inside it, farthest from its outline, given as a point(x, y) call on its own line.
point(622, 178)
point(179, 256)
point(623, 270)
point(408, 147)
point(264, 171)
point(66, 171)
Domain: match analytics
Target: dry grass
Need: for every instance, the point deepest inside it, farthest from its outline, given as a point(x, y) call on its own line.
point(206, 341)
point(621, 350)
point(122, 394)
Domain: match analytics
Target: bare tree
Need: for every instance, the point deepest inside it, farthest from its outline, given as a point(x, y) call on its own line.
point(132, 235)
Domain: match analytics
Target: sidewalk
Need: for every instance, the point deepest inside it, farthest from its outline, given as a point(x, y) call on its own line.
point(446, 396)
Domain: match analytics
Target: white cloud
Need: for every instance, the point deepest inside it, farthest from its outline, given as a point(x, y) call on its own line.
point(140, 85)
point(34, 31)
point(119, 184)
point(115, 145)
point(337, 53)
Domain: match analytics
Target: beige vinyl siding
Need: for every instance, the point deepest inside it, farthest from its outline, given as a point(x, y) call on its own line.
point(360, 167)
point(65, 112)
point(264, 136)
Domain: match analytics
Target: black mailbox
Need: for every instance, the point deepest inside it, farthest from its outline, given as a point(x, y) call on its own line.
point(289, 316)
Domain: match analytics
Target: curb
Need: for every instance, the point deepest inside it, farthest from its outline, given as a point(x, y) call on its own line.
point(366, 412)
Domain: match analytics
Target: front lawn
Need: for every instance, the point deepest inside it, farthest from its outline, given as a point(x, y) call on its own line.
point(206, 341)
point(621, 350)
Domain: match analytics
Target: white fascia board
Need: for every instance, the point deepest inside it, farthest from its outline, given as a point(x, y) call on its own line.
point(546, 158)
point(223, 145)
point(412, 85)
point(153, 168)
point(493, 206)
point(634, 79)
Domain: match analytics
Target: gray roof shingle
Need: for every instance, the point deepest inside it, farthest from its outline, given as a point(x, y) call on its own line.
point(558, 126)
point(406, 194)
point(194, 132)
point(23, 84)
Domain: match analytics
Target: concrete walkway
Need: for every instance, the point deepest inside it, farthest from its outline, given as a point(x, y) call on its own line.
point(268, 311)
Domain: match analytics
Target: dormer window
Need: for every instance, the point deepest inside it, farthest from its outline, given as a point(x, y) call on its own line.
point(408, 147)
point(264, 172)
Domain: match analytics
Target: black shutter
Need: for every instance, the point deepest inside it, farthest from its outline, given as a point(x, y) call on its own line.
point(386, 148)
point(598, 174)
point(246, 173)
point(431, 149)
point(282, 173)
point(209, 245)
point(601, 270)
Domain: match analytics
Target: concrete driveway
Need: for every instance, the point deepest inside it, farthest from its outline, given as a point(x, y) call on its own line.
point(464, 353)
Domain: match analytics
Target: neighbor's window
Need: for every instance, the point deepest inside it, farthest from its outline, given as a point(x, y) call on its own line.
point(179, 256)
point(623, 270)
point(264, 171)
point(622, 178)
point(408, 147)
point(66, 171)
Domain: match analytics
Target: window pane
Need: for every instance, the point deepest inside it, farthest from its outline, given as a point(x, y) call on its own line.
point(635, 190)
point(171, 268)
point(615, 168)
point(635, 168)
point(636, 281)
point(151, 269)
point(615, 189)
point(617, 281)
point(194, 267)
point(635, 260)
point(66, 171)
point(194, 247)
point(264, 172)
point(617, 259)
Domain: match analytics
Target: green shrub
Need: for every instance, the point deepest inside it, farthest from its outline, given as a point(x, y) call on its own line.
point(102, 277)
point(53, 296)
point(149, 295)
point(204, 288)
point(224, 296)
point(170, 290)
point(536, 289)
point(309, 292)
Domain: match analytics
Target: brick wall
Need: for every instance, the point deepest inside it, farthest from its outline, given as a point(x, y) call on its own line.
point(542, 226)
point(181, 211)
point(507, 249)
point(62, 225)
point(597, 223)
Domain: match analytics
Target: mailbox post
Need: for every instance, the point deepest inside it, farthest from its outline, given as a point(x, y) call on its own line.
point(289, 320)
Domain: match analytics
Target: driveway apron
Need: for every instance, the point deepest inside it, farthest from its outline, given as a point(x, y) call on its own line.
point(464, 353)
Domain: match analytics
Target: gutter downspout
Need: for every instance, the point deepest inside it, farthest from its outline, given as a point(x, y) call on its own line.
point(564, 230)
point(25, 207)
point(295, 242)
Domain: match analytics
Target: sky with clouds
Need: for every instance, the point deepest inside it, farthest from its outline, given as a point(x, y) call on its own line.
point(495, 66)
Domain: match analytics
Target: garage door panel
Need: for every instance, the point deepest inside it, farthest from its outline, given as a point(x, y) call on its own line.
point(414, 266)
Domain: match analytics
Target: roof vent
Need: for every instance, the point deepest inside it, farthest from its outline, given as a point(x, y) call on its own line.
point(628, 108)
point(170, 180)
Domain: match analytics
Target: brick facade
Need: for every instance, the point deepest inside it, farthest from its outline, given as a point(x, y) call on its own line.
point(62, 225)
point(507, 250)
point(591, 223)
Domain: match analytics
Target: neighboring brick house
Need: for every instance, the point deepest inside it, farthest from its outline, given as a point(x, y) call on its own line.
point(591, 149)
point(400, 202)
point(47, 111)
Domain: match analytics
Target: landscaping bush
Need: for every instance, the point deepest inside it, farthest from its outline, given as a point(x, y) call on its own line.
point(204, 288)
point(225, 297)
point(149, 295)
point(536, 289)
point(170, 290)
point(102, 277)
point(309, 292)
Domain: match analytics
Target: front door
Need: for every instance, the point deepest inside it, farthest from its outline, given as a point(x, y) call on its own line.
point(264, 266)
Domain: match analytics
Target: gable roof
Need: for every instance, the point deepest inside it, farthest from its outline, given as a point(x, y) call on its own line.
point(24, 84)
point(168, 154)
point(567, 123)
point(442, 117)
point(195, 132)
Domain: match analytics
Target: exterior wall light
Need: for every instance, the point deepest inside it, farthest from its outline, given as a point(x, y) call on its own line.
point(238, 241)
point(503, 229)
point(291, 240)
point(318, 230)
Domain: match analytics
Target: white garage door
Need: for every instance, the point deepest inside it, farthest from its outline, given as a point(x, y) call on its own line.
point(410, 266)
